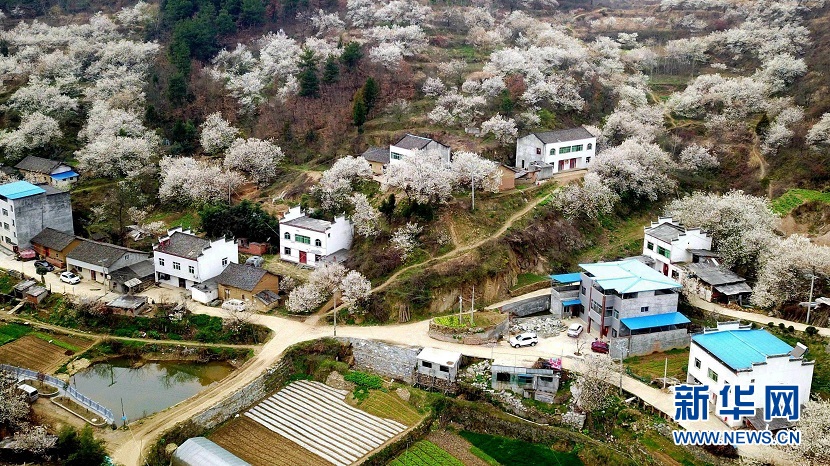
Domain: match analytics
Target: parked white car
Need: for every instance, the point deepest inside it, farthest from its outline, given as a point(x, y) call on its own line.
point(575, 330)
point(255, 261)
point(71, 278)
point(524, 339)
point(234, 305)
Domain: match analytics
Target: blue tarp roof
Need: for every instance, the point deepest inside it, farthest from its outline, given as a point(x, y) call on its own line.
point(656, 320)
point(19, 189)
point(570, 302)
point(628, 276)
point(64, 175)
point(566, 277)
point(739, 349)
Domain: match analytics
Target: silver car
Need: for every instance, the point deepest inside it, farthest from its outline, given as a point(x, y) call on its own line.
point(524, 339)
point(255, 261)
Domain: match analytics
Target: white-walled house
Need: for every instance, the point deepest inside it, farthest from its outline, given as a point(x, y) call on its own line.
point(411, 144)
point(183, 259)
point(93, 260)
point(739, 355)
point(311, 241)
point(670, 244)
point(564, 149)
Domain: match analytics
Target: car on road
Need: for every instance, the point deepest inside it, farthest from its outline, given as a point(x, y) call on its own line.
point(255, 261)
point(234, 305)
point(71, 278)
point(44, 265)
point(524, 339)
point(575, 330)
point(599, 346)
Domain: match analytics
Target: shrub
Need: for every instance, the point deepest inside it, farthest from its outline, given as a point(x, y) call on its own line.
point(362, 379)
point(771, 324)
point(781, 325)
point(812, 331)
point(790, 329)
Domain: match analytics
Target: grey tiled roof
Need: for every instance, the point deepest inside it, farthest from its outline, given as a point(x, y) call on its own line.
point(714, 274)
point(184, 245)
point(140, 270)
point(412, 142)
point(308, 223)
point(377, 154)
point(100, 254)
point(667, 232)
point(50, 190)
point(564, 135)
point(53, 239)
point(38, 164)
point(244, 277)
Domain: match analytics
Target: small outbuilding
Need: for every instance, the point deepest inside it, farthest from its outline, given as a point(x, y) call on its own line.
point(525, 376)
point(129, 304)
point(37, 293)
point(437, 368)
point(21, 288)
point(199, 451)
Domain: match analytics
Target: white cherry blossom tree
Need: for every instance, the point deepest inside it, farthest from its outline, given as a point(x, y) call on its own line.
point(217, 134)
point(365, 217)
point(256, 158)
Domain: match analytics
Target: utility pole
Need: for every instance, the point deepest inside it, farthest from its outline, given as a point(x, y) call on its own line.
point(335, 312)
point(665, 373)
point(810, 301)
point(460, 310)
point(473, 178)
point(473, 306)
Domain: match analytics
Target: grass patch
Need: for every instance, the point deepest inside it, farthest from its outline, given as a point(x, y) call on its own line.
point(363, 383)
point(478, 452)
point(7, 283)
point(510, 451)
point(479, 319)
point(389, 406)
point(525, 279)
point(661, 447)
point(795, 197)
point(425, 453)
point(651, 366)
point(55, 341)
point(11, 332)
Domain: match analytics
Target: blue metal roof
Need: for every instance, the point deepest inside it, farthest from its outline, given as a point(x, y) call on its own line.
point(656, 320)
point(64, 175)
point(739, 349)
point(628, 276)
point(19, 189)
point(566, 277)
point(571, 302)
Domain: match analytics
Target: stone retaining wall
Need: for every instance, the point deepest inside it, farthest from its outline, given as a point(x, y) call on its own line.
point(528, 306)
point(387, 360)
point(479, 338)
point(640, 345)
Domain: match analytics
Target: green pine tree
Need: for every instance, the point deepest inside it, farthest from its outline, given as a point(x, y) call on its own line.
point(371, 91)
point(331, 71)
point(224, 23)
point(359, 110)
point(309, 82)
point(351, 55)
point(252, 13)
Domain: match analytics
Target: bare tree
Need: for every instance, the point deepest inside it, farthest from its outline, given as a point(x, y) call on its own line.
point(591, 388)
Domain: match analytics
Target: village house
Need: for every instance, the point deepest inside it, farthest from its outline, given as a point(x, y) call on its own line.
point(26, 209)
point(507, 181)
point(715, 283)
point(629, 301)
point(563, 149)
point(133, 278)
point(48, 171)
point(524, 376)
point(438, 369)
point(93, 260)
point(411, 144)
point(52, 246)
point(737, 355)
point(257, 287)
point(564, 298)
point(183, 259)
point(378, 158)
point(671, 245)
point(311, 241)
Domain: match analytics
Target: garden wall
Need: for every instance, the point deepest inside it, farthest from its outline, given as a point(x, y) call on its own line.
point(528, 306)
point(490, 335)
point(641, 345)
point(387, 360)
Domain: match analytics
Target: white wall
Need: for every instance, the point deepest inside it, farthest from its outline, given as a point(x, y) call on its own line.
point(336, 237)
point(210, 262)
point(527, 146)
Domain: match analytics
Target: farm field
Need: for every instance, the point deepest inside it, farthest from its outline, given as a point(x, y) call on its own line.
point(425, 453)
point(37, 354)
point(388, 405)
point(11, 332)
point(510, 451)
point(260, 446)
point(317, 418)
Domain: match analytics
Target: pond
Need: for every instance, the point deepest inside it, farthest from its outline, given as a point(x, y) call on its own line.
point(146, 389)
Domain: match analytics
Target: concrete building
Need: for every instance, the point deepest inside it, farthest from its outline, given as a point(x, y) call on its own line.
point(411, 144)
point(183, 259)
point(48, 171)
point(670, 245)
point(311, 241)
point(26, 209)
point(630, 301)
point(564, 149)
point(740, 356)
point(564, 295)
point(437, 368)
point(521, 376)
point(133, 278)
point(378, 158)
point(96, 261)
point(53, 246)
point(253, 285)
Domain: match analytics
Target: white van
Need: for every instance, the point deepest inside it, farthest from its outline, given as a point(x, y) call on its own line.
point(30, 391)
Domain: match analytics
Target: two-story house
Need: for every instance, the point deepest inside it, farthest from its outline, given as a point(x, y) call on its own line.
point(737, 355)
point(410, 144)
point(26, 209)
point(311, 241)
point(670, 245)
point(52, 172)
point(182, 259)
point(563, 149)
point(629, 300)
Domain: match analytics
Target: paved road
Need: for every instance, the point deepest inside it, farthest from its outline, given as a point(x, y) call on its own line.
point(751, 316)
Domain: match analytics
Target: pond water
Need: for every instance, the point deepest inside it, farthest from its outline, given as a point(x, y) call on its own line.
point(146, 389)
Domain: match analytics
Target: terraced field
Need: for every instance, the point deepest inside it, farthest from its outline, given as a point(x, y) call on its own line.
point(425, 453)
point(260, 446)
point(317, 418)
point(31, 352)
point(388, 405)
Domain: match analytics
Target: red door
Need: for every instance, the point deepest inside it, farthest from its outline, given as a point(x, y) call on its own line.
point(666, 269)
point(303, 259)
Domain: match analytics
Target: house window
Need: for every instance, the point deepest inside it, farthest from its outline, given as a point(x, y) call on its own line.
point(443, 368)
point(224, 261)
point(318, 258)
point(5, 212)
point(675, 274)
point(9, 240)
point(590, 146)
point(524, 379)
point(697, 363)
point(650, 245)
point(614, 332)
point(616, 314)
point(629, 295)
point(502, 377)
point(713, 375)
point(587, 159)
point(161, 261)
point(576, 148)
point(539, 151)
point(663, 252)
point(564, 150)
point(302, 239)
point(644, 309)
point(191, 269)
point(583, 290)
point(287, 235)
point(608, 311)
point(426, 364)
point(286, 251)
point(553, 152)
point(227, 293)
point(318, 243)
point(177, 266)
point(395, 156)
point(5, 225)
